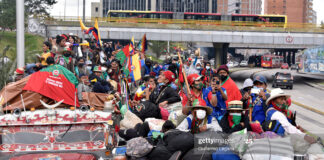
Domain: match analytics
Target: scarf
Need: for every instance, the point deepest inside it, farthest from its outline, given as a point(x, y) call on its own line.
point(195, 123)
point(233, 121)
point(283, 110)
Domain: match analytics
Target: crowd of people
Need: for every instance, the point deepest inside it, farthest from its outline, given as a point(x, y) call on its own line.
point(210, 100)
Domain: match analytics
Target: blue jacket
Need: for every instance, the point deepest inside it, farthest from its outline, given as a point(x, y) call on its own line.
point(220, 110)
point(157, 70)
point(280, 130)
point(258, 113)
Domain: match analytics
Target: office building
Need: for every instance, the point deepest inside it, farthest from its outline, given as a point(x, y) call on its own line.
point(239, 6)
point(197, 6)
point(297, 11)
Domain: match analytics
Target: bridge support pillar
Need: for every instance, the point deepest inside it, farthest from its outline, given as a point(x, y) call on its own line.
point(293, 60)
point(220, 53)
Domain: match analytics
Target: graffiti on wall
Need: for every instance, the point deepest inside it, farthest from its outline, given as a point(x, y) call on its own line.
point(35, 27)
point(313, 60)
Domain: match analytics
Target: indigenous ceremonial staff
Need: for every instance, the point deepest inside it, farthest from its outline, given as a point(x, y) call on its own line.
point(185, 79)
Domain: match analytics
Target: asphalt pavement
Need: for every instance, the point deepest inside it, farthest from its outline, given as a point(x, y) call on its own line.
point(305, 96)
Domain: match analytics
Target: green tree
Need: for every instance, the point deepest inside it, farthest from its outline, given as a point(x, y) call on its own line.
point(322, 24)
point(158, 47)
point(8, 14)
point(39, 8)
point(4, 68)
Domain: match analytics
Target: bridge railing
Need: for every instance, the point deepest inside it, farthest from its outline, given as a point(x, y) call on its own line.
point(188, 24)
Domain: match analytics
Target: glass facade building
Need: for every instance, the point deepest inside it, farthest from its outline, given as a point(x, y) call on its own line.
point(197, 6)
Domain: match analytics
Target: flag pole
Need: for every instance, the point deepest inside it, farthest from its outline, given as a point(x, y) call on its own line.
point(185, 78)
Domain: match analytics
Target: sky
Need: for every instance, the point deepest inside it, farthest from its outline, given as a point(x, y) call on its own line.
point(72, 8)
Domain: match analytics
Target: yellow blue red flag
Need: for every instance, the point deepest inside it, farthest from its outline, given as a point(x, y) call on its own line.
point(83, 27)
point(95, 32)
point(135, 67)
point(131, 46)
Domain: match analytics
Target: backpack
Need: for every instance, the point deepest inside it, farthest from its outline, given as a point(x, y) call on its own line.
point(138, 147)
point(273, 126)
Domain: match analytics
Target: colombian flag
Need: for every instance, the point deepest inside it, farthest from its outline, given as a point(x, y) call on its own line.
point(94, 31)
point(135, 67)
point(131, 47)
point(83, 27)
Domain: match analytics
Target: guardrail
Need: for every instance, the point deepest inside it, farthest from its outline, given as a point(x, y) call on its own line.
point(188, 24)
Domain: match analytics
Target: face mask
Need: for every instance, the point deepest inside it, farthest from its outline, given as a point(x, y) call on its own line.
point(198, 68)
point(161, 84)
point(175, 87)
point(89, 67)
point(223, 78)
point(154, 67)
point(282, 106)
point(148, 86)
point(81, 64)
point(236, 118)
point(199, 86)
point(201, 114)
point(207, 67)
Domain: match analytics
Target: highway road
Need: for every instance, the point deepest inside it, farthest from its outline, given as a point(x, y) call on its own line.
point(301, 93)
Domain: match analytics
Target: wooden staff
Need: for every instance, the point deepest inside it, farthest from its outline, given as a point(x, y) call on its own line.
point(185, 78)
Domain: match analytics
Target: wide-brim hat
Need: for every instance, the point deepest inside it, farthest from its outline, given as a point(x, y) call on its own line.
point(209, 110)
point(275, 93)
point(20, 71)
point(235, 106)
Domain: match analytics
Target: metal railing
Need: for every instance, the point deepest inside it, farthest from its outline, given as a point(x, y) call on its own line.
point(188, 24)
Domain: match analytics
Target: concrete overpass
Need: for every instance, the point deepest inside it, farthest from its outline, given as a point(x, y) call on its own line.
point(246, 39)
point(221, 40)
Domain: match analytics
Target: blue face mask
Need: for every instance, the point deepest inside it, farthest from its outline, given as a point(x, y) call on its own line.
point(161, 84)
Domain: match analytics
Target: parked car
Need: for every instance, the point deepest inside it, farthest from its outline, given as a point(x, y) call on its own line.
point(230, 64)
point(236, 64)
point(284, 66)
point(283, 80)
point(294, 67)
point(244, 63)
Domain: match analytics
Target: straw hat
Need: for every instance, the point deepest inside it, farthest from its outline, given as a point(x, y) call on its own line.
point(275, 93)
point(209, 110)
point(235, 105)
point(20, 71)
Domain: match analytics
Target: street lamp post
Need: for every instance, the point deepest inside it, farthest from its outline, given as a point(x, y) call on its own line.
point(64, 9)
point(20, 33)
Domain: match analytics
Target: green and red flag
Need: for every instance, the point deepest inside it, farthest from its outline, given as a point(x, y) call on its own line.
point(55, 82)
point(124, 56)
